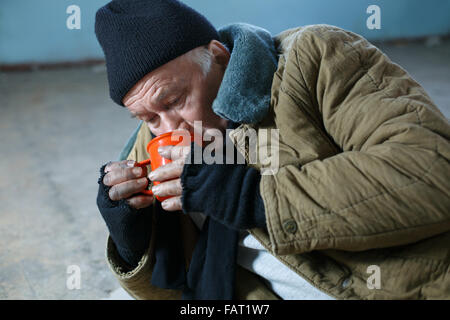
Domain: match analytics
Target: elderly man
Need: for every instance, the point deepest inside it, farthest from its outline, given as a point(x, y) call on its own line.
point(358, 207)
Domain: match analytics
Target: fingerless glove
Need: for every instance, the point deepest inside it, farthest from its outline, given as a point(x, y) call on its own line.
point(129, 228)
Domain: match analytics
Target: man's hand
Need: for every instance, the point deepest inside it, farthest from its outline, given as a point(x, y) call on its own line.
point(126, 182)
point(172, 172)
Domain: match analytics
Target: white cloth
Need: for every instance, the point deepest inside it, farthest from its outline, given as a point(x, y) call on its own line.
point(286, 283)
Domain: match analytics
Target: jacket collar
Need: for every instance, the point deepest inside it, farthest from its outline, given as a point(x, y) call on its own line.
point(244, 94)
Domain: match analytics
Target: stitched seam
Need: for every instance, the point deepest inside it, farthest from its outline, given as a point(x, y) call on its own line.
point(308, 90)
point(319, 129)
point(373, 197)
point(270, 225)
point(391, 190)
point(440, 263)
point(277, 195)
point(357, 53)
point(365, 235)
point(296, 46)
point(418, 117)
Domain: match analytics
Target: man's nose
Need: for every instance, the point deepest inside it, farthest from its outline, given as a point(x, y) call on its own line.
point(173, 122)
point(184, 125)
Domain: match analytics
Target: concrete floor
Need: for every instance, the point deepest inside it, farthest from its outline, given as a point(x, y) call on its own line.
point(56, 129)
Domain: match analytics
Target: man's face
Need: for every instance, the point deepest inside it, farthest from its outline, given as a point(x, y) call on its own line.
point(177, 94)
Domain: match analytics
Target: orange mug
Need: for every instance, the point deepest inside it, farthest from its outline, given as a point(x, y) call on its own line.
point(173, 138)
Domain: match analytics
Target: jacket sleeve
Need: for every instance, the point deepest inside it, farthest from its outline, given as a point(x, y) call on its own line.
point(137, 282)
point(389, 184)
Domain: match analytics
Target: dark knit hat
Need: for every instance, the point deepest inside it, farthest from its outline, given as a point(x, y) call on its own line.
point(138, 36)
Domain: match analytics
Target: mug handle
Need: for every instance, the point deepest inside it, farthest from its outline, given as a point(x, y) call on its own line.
point(143, 164)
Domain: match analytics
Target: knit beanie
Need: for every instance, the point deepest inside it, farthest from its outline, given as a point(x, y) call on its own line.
point(138, 36)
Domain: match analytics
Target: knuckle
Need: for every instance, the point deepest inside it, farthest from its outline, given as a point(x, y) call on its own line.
point(186, 151)
point(109, 165)
point(169, 151)
point(139, 202)
point(113, 177)
point(136, 185)
point(167, 205)
point(107, 179)
point(180, 152)
point(172, 188)
point(142, 181)
point(175, 152)
point(128, 187)
point(164, 151)
point(145, 201)
point(164, 189)
point(131, 203)
point(171, 204)
point(179, 163)
point(177, 204)
point(128, 163)
point(164, 172)
point(135, 202)
point(138, 171)
point(114, 194)
point(134, 172)
point(122, 174)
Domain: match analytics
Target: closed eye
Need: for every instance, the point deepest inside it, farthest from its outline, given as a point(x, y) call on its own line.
point(174, 102)
point(152, 120)
point(144, 118)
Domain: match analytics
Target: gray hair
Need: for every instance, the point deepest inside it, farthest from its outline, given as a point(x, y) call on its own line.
point(203, 57)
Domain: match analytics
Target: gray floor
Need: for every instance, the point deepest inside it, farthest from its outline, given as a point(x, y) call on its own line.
point(56, 129)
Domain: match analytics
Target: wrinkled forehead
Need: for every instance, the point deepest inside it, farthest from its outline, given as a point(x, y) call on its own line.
point(171, 76)
point(144, 83)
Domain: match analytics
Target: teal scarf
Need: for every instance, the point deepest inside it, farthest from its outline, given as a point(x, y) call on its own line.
point(244, 95)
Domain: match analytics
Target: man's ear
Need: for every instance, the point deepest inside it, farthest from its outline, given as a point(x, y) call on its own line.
point(220, 53)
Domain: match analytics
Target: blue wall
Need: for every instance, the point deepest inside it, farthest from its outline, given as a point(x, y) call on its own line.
point(35, 30)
